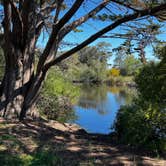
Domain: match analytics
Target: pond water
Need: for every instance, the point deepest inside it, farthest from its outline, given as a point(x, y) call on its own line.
point(97, 107)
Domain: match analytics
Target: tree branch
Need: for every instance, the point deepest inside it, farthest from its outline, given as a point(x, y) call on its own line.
point(20, 4)
point(59, 4)
point(7, 19)
point(126, 18)
point(69, 14)
point(53, 39)
point(48, 9)
point(120, 36)
point(8, 47)
point(17, 23)
point(125, 5)
point(83, 19)
point(27, 9)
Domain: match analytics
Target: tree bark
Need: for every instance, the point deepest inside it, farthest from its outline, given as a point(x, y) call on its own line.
point(20, 37)
point(12, 95)
point(15, 85)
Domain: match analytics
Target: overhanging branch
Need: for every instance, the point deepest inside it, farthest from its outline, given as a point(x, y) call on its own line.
point(76, 23)
point(126, 18)
point(51, 44)
point(127, 5)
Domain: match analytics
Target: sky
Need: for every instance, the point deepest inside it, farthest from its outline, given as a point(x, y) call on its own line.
point(92, 26)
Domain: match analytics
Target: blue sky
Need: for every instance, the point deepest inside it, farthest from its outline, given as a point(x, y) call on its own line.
point(92, 26)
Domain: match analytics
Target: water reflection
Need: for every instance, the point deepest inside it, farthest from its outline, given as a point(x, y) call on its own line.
point(97, 106)
point(124, 95)
point(93, 97)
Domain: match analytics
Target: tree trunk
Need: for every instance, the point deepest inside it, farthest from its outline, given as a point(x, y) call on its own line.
point(17, 81)
point(12, 94)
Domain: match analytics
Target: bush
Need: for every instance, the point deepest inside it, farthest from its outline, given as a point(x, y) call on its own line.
point(88, 76)
point(57, 96)
point(113, 72)
point(56, 108)
point(143, 124)
point(152, 83)
point(57, 85)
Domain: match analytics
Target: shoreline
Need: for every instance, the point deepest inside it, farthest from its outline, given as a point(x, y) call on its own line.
point(108, 83)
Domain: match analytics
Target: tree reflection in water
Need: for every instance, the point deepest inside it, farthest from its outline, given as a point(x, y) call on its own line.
point(123, 94)
point(97, 106)
point(95, 96)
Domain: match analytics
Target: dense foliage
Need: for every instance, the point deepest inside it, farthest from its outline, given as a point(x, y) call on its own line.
point(130, 66)
point(57, 97)
point(88, 65)
point(144, 122)
point(142, 125)
point(127, 63)
point(152, 83)
point(113, 72)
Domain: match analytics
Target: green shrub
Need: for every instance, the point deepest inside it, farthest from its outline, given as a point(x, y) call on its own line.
point(56, 108)
point(113, 72)
point(152, 82)
point(57, 85)
point(143, 124)
point(57, 97)
point(88, 76)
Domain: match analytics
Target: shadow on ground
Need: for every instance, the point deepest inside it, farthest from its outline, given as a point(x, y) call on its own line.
point(47, 144)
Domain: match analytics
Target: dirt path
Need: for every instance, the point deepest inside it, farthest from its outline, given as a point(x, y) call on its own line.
point(71, 144)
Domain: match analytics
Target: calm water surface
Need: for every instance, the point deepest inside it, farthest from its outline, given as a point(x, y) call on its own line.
point(97, 107)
